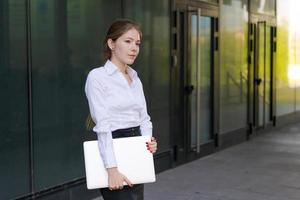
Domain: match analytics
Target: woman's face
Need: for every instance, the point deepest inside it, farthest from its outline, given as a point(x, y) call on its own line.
point(126, 48)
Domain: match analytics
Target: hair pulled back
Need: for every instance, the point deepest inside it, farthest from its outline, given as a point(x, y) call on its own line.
point(116, 30)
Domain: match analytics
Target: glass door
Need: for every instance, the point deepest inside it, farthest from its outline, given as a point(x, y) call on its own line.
point(263, 76)
point(260, 72)
point(199, 79)
point(194, 91)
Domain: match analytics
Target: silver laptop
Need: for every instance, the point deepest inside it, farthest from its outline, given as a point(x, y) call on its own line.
point(133, 159)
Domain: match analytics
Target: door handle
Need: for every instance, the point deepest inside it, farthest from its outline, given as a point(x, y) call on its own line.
point(258, 81)
point(189, 89)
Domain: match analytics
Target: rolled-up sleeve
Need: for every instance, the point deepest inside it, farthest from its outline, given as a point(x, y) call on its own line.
point(98, 108)
point(146, 124)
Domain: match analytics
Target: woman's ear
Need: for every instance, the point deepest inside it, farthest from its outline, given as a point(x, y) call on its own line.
point(111, 44)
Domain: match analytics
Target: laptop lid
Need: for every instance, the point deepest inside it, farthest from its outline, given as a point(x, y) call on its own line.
point(133, 159)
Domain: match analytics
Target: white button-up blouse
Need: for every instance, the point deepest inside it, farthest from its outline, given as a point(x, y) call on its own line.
point(114, 104)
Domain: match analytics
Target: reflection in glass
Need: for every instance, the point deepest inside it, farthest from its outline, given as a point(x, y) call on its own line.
point(200, 77)
point(261, 72)
point(14, 131)
point(153, 64)
point(264, 73)
point(211, 1)
point(268, 75)
point(293, 68)
point(194, 78)
point(263, 6)
point(288, 45)
point(66, 44)
point(294, 75)
point(233, 65)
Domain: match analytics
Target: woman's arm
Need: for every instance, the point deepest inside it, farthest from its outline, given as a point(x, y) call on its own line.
point(98, 108)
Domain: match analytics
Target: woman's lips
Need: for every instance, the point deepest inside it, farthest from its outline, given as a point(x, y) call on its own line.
point(132, 56)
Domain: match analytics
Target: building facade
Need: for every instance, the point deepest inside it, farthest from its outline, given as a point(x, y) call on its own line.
point(215, 73)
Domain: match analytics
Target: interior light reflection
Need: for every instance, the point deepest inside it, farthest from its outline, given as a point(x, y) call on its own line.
point(294, 75)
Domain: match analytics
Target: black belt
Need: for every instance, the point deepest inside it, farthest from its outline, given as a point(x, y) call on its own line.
point(127, 132)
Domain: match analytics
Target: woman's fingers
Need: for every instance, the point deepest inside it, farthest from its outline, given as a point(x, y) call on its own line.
point(113, 186)
point(117, 186)
point(153, 139)
point(128, 181)
point(117, 182)
point(152, 146)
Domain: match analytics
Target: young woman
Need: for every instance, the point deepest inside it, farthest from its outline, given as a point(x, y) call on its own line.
point(117, 104)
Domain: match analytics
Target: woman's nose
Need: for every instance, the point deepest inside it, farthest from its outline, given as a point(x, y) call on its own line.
point(134, 47)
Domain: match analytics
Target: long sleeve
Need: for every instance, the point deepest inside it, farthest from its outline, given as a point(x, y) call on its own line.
point(98, 108)
point(146, 124)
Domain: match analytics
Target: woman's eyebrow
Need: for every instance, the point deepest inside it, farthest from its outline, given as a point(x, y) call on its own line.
point(132, 39)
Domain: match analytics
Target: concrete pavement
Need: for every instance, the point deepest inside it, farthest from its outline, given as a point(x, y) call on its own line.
point(264, 168)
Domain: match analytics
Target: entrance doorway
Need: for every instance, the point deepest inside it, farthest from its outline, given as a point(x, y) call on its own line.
point(195, 43)
point(198, 79)
point(262, 47)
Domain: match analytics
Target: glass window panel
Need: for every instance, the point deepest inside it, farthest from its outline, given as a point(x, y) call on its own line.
point(294, 24)
point(211, 1)
point(14, 147)
point(263, 6)
point(233, 65)
point(200, 76)
point(268, 76)
point(152, 64)
point(193, 75)
point(205, 79)
point(285, 84)
point(261, 72)
point(66, 44)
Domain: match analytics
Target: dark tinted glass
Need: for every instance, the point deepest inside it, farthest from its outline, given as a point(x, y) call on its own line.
point(233, 65)
point(66, 44)
point(14, 147)
point(153, 61)
point(263, 6)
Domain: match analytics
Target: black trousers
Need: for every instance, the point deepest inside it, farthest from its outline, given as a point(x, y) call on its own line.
point(127, 193)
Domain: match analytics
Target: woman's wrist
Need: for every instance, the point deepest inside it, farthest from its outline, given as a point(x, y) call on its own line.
point(112, 170)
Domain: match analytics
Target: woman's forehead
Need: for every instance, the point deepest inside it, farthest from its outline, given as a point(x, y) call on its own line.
point(132, 33)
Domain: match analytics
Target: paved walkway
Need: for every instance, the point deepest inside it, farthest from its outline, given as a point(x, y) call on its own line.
point(264, 168)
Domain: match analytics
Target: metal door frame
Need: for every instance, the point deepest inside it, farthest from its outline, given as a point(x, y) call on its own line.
point(253, 52)
point(179, 51)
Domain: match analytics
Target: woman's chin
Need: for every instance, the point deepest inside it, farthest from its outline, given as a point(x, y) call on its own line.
point(130, 62)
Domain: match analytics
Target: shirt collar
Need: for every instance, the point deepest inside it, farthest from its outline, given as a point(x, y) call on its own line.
point(132, 73)
point(111, 68)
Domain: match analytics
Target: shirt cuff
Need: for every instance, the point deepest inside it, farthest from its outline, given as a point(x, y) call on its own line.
point(146, 131)
point(105, 144)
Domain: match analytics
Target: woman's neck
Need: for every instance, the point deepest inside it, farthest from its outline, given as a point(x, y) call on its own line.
point(122, 66)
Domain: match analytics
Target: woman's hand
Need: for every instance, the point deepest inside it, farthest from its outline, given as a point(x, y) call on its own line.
point(116, 179)
point(152, 146)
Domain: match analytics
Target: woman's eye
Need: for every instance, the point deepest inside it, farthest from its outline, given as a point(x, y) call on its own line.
point(138, 44)
point(127, 41)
